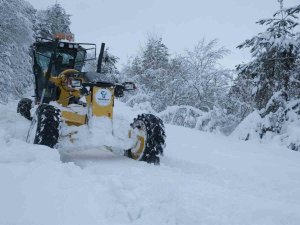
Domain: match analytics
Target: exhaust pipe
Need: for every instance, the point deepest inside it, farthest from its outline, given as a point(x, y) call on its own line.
point(100, 58)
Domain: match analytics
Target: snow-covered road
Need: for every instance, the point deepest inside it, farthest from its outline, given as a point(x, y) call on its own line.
point(203, 179)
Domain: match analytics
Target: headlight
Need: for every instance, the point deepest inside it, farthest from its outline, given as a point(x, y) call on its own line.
point(75, 83)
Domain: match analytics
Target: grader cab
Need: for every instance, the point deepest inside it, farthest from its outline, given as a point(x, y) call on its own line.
point(57, 56)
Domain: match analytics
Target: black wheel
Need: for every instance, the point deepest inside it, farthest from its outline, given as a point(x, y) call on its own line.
point(149, 132)
point(24, 107)
point(45, 126)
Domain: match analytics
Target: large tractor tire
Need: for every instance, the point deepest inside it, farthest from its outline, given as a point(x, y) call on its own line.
point(45, 126)
point(24, 107)
point(149, 132)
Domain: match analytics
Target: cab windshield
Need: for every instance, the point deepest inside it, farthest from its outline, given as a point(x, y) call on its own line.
point(66, 58)
point(69, 59)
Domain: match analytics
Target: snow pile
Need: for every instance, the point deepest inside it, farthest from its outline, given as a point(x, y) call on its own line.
point(281, 126)
point(203, 179)
point(101, 131)
point(186, 116)
point(12, 135)
point(291, 129)
point(249, 128)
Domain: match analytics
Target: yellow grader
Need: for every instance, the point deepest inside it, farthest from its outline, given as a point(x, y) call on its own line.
point(60, 85)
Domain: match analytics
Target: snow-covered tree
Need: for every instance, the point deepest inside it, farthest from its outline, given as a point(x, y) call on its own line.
point(274, 53)
point(189, 83)
point(155, 54)
point(273, 79)
point(207, 81)
point(109, 70)
point(150, 69)
point(136, 66)
point(16, 35)
point(109, 63)
point(51, 21)
point(20, 22)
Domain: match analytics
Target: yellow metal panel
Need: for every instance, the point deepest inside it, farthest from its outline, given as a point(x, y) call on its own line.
point(72, 118)
point(65, 92)
point(64, 97)
point(139, 148)
point(103, 102)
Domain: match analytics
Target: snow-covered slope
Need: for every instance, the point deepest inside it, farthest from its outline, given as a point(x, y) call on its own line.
point(203, 179)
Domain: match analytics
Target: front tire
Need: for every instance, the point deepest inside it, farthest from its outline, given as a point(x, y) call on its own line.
point(150, 134)
point(48, 119)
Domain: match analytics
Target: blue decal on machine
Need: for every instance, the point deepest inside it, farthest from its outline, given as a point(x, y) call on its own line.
point(103, 97)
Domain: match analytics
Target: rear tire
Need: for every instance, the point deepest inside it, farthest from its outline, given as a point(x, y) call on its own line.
point(48, 125)
point(154, 143)
point(24, 107)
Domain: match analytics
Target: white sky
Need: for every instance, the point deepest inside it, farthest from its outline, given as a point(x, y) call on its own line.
point(124, 24)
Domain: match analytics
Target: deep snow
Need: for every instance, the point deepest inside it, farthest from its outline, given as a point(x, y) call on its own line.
point(203, 179)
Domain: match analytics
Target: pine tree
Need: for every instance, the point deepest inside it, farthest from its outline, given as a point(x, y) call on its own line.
point(273, 77)
point(137, 66)
point(274, 55)
point(51, 21)
point(155, 54)
point(152, 66)
point(109, 63)
point(109, 71)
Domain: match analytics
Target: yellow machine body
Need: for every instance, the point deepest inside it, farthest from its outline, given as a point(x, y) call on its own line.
point(99, 102)
point(73, 118)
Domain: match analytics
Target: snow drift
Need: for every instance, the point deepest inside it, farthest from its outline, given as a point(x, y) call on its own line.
point(281, 126)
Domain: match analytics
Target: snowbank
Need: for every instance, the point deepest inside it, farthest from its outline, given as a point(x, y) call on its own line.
point(281, 127)
point(215, 120)
point(249, 128)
